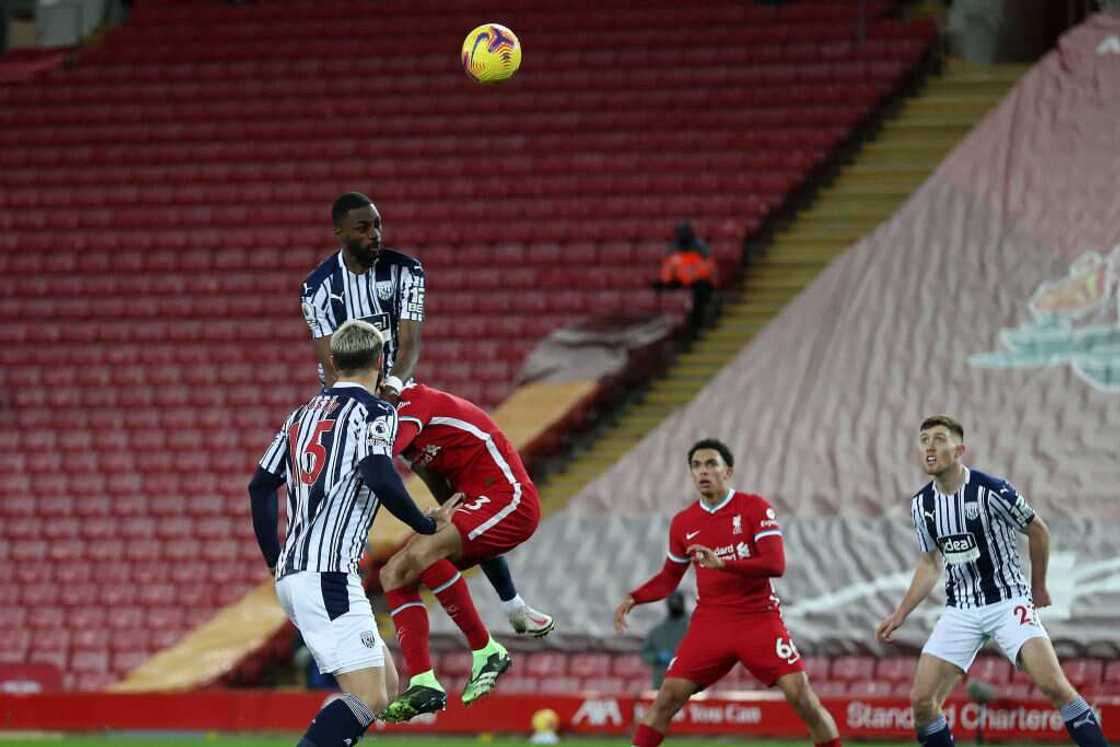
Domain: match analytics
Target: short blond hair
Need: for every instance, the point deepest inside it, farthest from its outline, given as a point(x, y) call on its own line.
point(356, 347)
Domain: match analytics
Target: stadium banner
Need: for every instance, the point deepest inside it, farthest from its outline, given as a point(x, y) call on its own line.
point(755, 713)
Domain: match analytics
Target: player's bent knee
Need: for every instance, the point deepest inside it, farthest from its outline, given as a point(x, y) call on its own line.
point(390, 575)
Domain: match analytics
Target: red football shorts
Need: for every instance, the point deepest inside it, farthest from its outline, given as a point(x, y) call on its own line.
point(496, 521)
point(714, 644)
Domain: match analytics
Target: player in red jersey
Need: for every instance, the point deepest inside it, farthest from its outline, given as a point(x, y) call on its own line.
point(455, 447)
point(735, 541)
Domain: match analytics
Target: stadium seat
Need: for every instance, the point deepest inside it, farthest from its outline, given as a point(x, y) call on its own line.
point(589, 665)
point(1084, 674)
point(896, 668)
point(546, 665)
point(169, 292)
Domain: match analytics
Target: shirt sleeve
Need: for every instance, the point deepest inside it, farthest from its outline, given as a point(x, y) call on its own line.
point(1009, 506)
point(412, 293)
point(275, 459)
point(378, 431)
point(766, 522)
point(317, 311)
point(678, 552)
point(921, 531)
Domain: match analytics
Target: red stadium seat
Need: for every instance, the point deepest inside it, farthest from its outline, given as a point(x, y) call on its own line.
point(546, 665)
point(853, 668)
point(559, 684)
point(166, 326)
point(629, 665)
point(14, 646)
point(589, 665)
point(817, 668)
point(1084, 674)
point(896, 668)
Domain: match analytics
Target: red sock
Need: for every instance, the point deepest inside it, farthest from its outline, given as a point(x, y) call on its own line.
point(647, 736)
point(411, 618)
point(451, 590)
point(830, 743)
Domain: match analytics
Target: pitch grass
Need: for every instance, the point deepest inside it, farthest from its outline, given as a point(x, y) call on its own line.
point(125, 739)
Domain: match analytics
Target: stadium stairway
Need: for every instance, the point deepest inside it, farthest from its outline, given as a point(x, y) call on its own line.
point(866, 191)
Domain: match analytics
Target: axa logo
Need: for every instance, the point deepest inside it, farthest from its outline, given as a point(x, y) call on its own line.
point(598, 712)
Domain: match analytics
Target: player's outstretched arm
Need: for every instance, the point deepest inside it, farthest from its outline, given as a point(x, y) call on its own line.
point(380, 476)
point(925, 578)
point(657, 587)
point(1038, 545)
point(262, 497)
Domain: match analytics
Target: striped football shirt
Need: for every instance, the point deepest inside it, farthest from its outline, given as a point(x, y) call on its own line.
point(391, 290)
point(975, 531)
point(317, 452)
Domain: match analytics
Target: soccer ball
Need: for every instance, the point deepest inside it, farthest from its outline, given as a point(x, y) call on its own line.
point(491, 53)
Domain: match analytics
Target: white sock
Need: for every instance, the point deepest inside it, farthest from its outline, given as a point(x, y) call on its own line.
point(513, 605)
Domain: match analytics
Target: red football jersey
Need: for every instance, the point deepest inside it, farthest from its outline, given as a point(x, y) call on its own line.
point(732, 530)
point(455, 438)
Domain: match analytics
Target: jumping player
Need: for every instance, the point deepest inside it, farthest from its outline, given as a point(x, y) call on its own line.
point(968, 519)
point(448, 439)
point(735, 541)
point(364, 280)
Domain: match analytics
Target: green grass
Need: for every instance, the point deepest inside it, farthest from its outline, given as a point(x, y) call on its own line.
point(288, 740)
point(132, 739)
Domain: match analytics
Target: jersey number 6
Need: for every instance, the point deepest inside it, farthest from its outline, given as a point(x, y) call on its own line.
point(314, 448)
point(786, 651)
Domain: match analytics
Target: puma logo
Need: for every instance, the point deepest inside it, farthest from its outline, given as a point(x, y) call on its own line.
point(928, 515)
point(336, 296)
point(1086, 719)
point(690, 535)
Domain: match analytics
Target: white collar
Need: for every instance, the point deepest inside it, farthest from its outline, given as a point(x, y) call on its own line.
point(967, 477)
point(721, 504)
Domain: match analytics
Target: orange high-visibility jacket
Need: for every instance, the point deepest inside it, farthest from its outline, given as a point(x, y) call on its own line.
point(687, 268)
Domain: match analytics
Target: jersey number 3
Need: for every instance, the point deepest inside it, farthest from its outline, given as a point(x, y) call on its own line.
point(314, 449)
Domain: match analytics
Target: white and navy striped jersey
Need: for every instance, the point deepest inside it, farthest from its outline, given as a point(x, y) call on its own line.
point(317, 452)
point(974, 529)
point(391, 290)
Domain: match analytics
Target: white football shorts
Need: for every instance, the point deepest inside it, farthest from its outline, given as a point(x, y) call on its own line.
point(335, 619)
point(960, 633)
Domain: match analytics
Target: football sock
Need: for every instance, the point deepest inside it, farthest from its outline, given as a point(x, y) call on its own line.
point(647, 736)
point(936, 734)
point(411, 618)
point(339, 724)
point(1082, 724)
point(497, 570)
point(830, 743)
point(451, 590)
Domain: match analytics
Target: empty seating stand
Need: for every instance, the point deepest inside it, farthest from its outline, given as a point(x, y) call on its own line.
point(162, 199)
